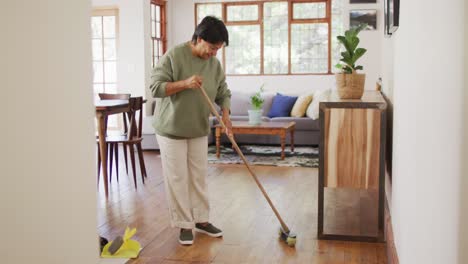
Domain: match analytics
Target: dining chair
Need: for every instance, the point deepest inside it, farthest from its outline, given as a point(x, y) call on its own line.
point(134, 137)
point(113, 149)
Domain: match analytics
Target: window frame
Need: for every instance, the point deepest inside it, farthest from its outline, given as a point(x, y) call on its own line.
point(114, 123)
point(163, 24)
point(291, 21)
point(102, 12)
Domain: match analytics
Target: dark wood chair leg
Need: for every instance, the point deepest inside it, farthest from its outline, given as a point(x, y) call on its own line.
point(132, 159)
point(111, 152)
point(116, 151)
point(124, 148)
point(142, 162)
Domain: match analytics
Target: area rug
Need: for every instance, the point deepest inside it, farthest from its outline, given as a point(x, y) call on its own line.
point(266, 155)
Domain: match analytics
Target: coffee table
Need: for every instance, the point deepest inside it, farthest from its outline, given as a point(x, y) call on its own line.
point(264, 128)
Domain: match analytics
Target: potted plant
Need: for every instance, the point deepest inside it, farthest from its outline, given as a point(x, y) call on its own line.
point(256, 101)
point(350, 84)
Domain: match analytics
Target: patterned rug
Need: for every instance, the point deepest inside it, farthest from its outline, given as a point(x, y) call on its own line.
point(266, 155)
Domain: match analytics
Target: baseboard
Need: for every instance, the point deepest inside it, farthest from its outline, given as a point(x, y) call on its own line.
point(392, 256)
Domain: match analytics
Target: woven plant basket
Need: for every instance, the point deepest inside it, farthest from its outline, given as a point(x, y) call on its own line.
point(350, 86)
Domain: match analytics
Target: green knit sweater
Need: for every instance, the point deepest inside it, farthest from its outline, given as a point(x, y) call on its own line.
point(185, 114)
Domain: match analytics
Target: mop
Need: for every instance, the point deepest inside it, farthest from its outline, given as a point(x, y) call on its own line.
point(285, 234)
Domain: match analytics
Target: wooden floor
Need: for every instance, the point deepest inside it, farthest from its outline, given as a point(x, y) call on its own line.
point(239, 209)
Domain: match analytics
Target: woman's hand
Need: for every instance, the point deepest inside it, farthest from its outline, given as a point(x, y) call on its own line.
point(227, 122)
point(194, 82)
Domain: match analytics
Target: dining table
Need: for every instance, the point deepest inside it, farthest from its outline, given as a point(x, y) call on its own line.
point(104, 108)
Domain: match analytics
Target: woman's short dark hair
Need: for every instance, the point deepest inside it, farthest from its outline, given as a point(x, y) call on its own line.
point(212, 30)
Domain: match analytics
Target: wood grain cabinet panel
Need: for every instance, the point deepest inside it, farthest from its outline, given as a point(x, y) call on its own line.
point(351, 171)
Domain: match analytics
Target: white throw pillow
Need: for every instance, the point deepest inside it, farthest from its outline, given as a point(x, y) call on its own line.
point(319, 96)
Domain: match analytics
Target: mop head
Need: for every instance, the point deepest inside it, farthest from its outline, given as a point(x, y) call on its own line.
point(288, 237)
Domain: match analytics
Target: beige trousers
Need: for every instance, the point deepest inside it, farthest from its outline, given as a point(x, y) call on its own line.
point(184, 165)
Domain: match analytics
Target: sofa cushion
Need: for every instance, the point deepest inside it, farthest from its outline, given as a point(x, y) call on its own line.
point(240, 103)
point(246, 118)
point(302, 123)
point(240, 118)
point(313, 109)
point(268, 101)
point(282, 105)
point(300, 107)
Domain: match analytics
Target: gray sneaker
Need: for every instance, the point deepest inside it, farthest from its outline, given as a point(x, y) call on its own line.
point(208, 229)
point(186, 237)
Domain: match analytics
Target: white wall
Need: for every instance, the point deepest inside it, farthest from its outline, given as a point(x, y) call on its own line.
point(387, 65)
point(463, 247)
point(427, 92)
point(48, 190)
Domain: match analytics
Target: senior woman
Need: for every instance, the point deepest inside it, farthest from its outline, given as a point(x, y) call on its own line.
point(182, 123)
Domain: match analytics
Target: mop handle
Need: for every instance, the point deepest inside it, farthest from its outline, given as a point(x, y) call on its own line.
point(236, 147)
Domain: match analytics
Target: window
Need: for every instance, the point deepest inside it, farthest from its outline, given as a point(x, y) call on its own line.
point(104, 41)
point(278, 37)
point(158, 30)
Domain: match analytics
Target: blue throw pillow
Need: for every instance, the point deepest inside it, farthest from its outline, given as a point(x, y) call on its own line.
point(282, 105)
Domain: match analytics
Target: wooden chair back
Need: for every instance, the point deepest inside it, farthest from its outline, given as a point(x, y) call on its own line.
point(110, 96)
point(116, 96)
point(136, 117)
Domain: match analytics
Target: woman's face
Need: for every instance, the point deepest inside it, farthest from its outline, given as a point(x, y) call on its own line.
point(206, 49)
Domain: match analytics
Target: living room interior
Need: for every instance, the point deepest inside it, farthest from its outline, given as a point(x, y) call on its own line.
point(50, 158)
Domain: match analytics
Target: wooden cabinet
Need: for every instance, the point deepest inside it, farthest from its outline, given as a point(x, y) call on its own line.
point(351, 171)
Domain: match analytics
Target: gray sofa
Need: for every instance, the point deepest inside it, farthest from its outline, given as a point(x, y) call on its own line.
point(307, 130)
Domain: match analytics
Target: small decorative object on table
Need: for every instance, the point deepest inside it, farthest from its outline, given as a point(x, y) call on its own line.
point(349, 83)
point(255, 114)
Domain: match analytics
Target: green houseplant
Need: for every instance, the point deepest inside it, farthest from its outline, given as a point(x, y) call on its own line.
point(350, 84)
point(256, 101)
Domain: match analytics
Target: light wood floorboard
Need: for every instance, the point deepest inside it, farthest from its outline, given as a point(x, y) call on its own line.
point(238, 207)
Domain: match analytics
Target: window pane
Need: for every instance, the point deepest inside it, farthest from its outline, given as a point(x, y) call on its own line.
point(155, 48)
point(243, 52)
point(242, 13)
point(153, 12)
point(97, 49)
point(96, 26)
point(219, 55)
point(160, 45)
point(109, 49)
point(275, 37)
point(309, 10)
point(153, 29)
point(158, 30)
point(109, 26)
point(98, 88)
point(98, 72)
point(309, 48)
point(158, 13)
point(204, 10)
point(337, 29)
point(110, 71)
point(110, 88)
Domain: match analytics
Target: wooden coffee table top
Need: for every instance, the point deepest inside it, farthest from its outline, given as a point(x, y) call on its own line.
point(265, 125)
